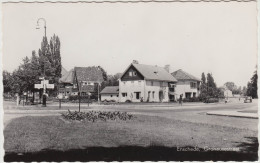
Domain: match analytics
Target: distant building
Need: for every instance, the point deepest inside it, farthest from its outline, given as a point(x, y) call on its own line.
point(228, 93)
point(187, 84)
point(110, 93)
point(87, 78)
point(146, 83)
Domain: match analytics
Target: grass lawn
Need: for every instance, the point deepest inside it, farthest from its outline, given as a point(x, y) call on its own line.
point(34, 134)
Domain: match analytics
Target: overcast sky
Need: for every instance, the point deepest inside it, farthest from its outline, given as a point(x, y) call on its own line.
point(220, 38)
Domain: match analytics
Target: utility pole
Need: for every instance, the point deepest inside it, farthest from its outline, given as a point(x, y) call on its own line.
point(44, 85)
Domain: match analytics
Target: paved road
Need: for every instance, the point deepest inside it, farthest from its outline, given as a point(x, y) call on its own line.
point(189, 112)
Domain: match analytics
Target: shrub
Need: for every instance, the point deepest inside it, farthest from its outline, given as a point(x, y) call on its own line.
point(193, 99)
point(96, 115)
point(211, 100)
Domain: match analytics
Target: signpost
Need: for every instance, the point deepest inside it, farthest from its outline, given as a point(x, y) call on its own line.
point(60, 97)
point(45, 85)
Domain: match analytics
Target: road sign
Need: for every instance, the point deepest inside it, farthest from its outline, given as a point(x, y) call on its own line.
point(38, 86)
point(50, 86)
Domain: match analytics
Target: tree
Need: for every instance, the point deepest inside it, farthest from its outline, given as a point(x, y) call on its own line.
point(203, 78)
point(230, 85)
point(7, 81)
point(252, 86)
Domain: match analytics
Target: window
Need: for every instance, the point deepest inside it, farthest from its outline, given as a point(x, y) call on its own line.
point(134, 73)
point(193, 85)
point(130, 73)
point(116, 95)
point(161, 84)
point(124, 94)
point(111, 95)
point(151, 83)
point(137, 95)
point(153, 94)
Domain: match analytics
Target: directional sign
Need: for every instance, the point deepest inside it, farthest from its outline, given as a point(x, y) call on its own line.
point(38, 86)
point(45, 82)
point(50, 86)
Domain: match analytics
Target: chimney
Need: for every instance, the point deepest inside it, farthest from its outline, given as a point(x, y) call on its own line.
point(167, 68)
point(135, 62)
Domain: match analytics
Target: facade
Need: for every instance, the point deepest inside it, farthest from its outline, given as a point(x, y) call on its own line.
point(228, 93)
point(187, 85)
point(146, 83)
point(110, 93)
point(87, 77)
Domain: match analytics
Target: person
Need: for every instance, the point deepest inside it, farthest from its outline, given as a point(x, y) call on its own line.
point(180, 99)
point(142, 99)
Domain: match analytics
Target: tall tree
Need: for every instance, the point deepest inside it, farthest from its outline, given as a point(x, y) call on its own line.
point(254, 85)
point(203, 78)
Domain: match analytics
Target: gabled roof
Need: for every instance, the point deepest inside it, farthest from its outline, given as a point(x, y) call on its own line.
point(63, 71)
point(67, 77)
point(93, 74)
point(182, 75)
point(110, 90)
point(89, 74)
point(154, 72)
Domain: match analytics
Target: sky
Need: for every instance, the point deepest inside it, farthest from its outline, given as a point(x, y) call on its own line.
point(218, 38)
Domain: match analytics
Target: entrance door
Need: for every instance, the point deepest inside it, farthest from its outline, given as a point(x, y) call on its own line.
point(160, 96)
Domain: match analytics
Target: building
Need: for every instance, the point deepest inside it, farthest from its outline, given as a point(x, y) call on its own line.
point(110, 93)
point(87, 77)
point(228, 93)
point(146, 83)
point(187, 84)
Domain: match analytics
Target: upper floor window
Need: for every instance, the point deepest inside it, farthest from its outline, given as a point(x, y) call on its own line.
point(161, 84)
point(134, 73)
point(193, 85)
point(130, 73)
point(139, 82)
point(151, 83)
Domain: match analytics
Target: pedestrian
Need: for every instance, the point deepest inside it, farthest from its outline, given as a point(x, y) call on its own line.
point(180, 100)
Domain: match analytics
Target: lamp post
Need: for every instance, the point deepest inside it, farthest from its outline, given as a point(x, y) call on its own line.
point(44, 84)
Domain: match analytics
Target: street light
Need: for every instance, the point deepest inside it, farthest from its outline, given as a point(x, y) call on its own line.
point(44, 84)
point(38, 25)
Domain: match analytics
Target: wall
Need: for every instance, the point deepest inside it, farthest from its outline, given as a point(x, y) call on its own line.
point(130, 87)
point(184, 86)
point(109, 98)
point(156, 88)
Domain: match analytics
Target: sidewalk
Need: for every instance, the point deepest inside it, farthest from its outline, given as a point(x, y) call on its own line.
point(234, 114)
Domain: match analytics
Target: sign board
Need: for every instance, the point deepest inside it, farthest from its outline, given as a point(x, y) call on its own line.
point(38, 86)
point(50, 86)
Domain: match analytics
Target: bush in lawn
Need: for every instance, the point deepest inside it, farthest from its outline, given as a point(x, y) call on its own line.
point(83, 99)
point(211, 100)
point(97, 115)
point(192, 99)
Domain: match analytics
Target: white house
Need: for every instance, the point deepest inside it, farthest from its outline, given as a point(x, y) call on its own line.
point(110, 93)
point(146, 83)
point(187, 84)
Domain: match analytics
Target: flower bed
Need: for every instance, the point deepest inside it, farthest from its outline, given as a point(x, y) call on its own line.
point(96, 115)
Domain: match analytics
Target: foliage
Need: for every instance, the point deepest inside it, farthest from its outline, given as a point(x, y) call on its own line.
point(192, 99)
point(252, 86)
point(97, 115)
point(83, 98)
point(208, 88)
point(47, 63)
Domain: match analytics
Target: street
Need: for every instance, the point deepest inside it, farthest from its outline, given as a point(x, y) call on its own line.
point(189, 112)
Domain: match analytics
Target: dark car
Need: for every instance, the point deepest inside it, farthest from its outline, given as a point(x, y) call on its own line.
point(248, 99)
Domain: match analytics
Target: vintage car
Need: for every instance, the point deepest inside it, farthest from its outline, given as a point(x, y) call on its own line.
point(248, 99)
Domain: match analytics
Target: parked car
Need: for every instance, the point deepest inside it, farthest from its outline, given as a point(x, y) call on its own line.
point(248, 99)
